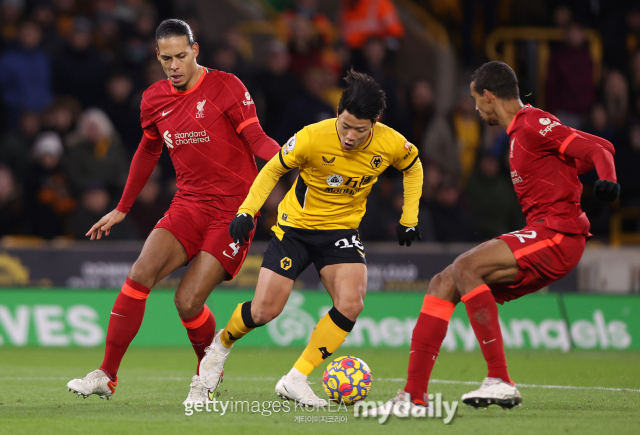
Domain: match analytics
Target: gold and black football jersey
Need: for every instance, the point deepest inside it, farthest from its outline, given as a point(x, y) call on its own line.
point(332, 188)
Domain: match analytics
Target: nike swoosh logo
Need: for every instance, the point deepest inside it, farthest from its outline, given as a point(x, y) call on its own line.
point(166, 113)
point(227, 255)
point(490, 341)
point(116, 314)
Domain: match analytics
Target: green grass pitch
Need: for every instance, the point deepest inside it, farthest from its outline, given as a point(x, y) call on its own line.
point(154, 382)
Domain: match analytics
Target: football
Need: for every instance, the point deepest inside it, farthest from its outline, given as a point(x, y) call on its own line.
point(347, 379)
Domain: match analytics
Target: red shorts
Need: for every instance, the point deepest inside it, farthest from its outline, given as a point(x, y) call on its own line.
point(543, 256)
point(208, 231)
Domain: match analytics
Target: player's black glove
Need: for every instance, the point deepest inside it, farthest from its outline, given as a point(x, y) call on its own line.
point(606, 191)
point(240, 227)
point(407, 234)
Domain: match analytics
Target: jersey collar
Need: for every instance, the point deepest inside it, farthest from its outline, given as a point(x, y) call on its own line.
point(370, 138)
point(194, 87)
point(513, 121)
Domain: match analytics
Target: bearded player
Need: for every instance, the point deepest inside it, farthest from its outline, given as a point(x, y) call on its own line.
point(208, 122)
point(545, 160)
point(339, 160)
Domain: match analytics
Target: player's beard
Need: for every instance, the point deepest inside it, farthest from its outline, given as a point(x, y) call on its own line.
point(179, 88)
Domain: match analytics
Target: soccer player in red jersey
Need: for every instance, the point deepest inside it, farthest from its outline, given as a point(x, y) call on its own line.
point(545, 160)
point(208, 122)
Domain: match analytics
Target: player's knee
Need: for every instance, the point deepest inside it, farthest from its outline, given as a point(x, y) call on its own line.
point(350, 308)
point(442, 285)
point(187, 305)
point(143, 274)
point(438, 281)
point(262, 315)
point(462, 267)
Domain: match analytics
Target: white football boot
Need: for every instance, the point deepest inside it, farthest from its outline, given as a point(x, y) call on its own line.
point(400, 406)
point(294, 386)
point(97, 382)
point(197, 392)
point(493, 391)
point(212, 364)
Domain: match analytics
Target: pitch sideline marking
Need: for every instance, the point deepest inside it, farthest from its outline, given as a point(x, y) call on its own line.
point(243, 379)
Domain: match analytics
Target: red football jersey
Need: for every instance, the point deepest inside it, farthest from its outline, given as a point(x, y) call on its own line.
point(200, 127)
point(544, 169)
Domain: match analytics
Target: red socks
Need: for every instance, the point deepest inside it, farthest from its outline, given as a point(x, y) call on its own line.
point(483, 315)
point(124, 323)
point(126, 318)
point(201, 329)
point(426, 340)
point(431, 329)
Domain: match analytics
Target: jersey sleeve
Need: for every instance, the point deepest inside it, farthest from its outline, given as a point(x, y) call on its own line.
point(404, 155)
point(142, 165)
point(295, 153)
point(262, 187)
point(261, 144)
point(563, 141)
point(584, 167)
point(239, 106)
point(149, 127)
point(590, 154)
point(412, 181)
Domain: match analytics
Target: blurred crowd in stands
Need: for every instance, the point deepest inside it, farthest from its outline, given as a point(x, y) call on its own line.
point(72, 74)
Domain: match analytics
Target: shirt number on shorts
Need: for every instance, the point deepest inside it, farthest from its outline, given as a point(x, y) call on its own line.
point(521, 235)
point(344, 243)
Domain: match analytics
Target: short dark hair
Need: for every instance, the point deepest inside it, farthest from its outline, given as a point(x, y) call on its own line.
point(174, 27)
point(363, 98)
point(498, 78)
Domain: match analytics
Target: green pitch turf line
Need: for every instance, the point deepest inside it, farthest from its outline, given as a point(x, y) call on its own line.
point(275, 379)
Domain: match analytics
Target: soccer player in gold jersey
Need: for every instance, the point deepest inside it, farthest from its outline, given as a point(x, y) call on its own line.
point(339, 160)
